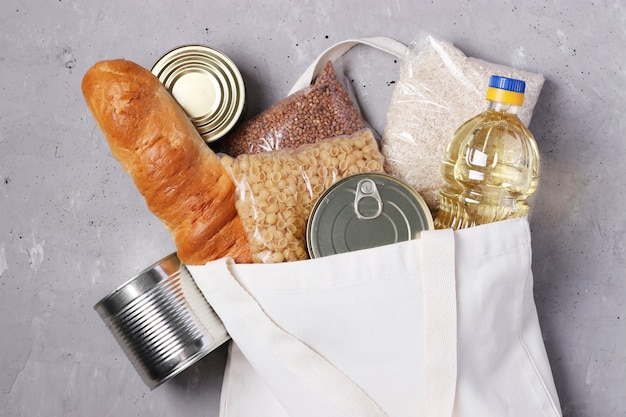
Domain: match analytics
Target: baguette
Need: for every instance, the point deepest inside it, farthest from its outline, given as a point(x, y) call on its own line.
point(180, 177)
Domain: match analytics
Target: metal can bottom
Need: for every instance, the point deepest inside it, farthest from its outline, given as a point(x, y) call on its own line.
point(162, 321)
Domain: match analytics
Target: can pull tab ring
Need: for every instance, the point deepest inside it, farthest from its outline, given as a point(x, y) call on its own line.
point(367, 189)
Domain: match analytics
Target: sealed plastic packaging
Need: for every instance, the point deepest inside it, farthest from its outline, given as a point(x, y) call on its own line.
point(439, 87)
point(276, 190)
point(322, 110)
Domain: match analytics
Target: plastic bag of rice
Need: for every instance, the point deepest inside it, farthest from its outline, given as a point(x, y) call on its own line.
point(438, 89)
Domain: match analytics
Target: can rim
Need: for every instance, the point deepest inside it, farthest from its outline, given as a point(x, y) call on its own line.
point(185, 364)
point(118, 298)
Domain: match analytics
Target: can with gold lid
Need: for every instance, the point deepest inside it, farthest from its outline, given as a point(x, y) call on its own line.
point(363, 211)
point(208, 86)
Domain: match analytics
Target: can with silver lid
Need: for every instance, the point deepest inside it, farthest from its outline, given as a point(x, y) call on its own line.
point(208, 86)
point(162, 321)
point(363, 211)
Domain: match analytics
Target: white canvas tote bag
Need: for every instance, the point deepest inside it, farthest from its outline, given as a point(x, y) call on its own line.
point(444, 325)
point(441, 326)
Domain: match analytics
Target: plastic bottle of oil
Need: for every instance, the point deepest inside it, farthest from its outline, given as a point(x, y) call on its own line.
point(491, 165)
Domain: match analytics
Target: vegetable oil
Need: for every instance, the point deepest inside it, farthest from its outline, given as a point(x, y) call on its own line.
point(491, 165)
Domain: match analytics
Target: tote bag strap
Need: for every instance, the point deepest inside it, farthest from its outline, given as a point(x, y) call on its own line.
point(382, 43)
point(315, 387)
point(440, 322)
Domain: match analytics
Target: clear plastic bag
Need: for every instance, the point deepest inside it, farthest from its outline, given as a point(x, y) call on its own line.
point(276, 190)
point(438, 89)
point(325, 109)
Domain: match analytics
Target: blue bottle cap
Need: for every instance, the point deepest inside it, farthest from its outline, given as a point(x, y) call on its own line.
point(509, 84)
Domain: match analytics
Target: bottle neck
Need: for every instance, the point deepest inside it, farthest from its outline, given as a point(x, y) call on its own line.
point(502, 107)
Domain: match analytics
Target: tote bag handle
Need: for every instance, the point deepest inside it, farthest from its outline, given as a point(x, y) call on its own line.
point(382, 43)
point(440, 322)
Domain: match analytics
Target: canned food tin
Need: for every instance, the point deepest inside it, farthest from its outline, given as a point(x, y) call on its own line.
point(363, 211)
point(162, 321)
point(207, 85)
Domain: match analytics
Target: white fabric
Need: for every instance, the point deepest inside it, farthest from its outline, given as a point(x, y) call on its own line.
point(373, 332)
point(440, 322)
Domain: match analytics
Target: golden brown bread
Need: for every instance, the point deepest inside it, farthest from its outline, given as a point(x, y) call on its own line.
point(181, 179)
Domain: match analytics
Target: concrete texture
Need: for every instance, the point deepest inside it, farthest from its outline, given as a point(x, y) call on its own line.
point(73, 227)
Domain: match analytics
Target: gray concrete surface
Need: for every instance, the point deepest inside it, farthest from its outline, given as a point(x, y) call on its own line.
point(73, 227)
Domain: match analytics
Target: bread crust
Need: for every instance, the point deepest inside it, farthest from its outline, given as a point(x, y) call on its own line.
point(182, 180)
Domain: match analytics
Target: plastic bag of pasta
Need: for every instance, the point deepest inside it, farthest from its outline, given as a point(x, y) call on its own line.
point(276, 190)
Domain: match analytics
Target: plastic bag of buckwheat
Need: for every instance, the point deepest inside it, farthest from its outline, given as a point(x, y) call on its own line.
point(325, 109)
